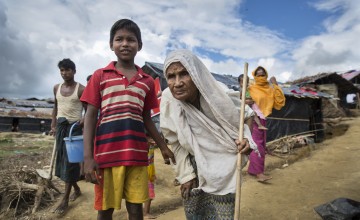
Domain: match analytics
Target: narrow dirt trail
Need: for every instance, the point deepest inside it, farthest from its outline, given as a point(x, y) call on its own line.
point(330, 172)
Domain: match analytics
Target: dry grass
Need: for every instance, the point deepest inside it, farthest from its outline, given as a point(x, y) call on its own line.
point(22, 190)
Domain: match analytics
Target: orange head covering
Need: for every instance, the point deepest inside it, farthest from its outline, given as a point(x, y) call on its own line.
point(265, 96)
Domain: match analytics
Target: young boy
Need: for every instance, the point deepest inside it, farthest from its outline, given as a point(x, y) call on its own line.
point(116, 157)
point(249, 100)
point(67, 111)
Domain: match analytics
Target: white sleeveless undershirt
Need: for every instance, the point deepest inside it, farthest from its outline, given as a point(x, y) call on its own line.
point(69, 107)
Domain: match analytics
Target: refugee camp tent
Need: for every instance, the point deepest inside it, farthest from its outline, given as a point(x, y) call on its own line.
point(302, 114)
point(331, 83)
point(29, 115)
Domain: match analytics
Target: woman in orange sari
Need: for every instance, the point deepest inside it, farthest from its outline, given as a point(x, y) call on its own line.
point(266, 97)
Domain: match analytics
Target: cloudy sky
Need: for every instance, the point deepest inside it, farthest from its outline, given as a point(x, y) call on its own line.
point(290, 38)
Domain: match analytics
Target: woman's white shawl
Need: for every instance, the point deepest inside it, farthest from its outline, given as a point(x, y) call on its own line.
point(207, 134)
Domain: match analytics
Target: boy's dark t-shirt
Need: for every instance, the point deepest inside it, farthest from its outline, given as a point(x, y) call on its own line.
point(120, 138)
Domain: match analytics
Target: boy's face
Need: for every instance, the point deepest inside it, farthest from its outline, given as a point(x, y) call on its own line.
point(67, 74)
point(242, 80)
point(125, 45)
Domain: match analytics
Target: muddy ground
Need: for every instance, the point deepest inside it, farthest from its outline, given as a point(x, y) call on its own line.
point(315, 175)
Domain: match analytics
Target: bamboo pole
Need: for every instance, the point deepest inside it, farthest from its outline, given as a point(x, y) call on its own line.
point(241, 137)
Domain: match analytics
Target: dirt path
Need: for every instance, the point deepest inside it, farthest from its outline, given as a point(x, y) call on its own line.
point(329, 172)
point(332, 171)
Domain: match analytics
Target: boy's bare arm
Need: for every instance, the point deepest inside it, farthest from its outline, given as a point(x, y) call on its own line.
point(150, 127)
point(54, 112)
point(83, 118)
point(84, 104)
point(90, 166)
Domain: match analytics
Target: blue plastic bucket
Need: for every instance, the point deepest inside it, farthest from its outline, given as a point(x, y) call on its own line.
point(74, 147)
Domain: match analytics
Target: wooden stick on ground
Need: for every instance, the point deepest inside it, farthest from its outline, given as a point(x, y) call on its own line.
point(241, 136)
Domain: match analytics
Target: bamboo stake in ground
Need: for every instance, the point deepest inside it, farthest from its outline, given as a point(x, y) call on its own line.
point(241, 137)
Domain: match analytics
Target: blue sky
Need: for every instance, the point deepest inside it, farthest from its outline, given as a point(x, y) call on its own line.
point(294, 19)
point(291, 38)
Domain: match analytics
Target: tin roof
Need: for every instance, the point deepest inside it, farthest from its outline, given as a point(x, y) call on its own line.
point(25, 108)
point(351, 74)
point(327, 78)
point(303, 92)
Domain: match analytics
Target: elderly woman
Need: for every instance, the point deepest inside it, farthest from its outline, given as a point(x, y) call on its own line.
point(200, 120)
point(266, 97)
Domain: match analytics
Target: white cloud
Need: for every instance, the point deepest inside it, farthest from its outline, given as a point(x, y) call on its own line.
point(337, 48)
point(35, 35)
point(268, 63)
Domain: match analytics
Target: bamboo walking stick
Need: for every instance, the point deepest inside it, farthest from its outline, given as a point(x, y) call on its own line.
point(241, 136)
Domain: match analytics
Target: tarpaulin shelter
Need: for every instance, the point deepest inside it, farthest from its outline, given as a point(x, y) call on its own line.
point(326, 81)
point(302, 114)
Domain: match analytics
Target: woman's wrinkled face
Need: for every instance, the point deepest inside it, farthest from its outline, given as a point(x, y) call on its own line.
point(180, 83)
point(260, 72)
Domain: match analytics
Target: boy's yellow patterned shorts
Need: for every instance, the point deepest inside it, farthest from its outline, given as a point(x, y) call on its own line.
point(123, 182)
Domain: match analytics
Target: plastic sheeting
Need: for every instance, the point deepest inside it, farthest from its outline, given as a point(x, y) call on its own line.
point(339, 209)
point(298, 116)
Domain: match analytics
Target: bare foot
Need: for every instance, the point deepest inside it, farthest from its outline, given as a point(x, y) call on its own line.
point(262, 128)
point(262, 178)
point(61, 208)
point(149, 216)
point(75, 195)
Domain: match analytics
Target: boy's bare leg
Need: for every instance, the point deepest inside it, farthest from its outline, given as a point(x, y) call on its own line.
point(147, 214)
point(134, 210)
point(77, 192)
point(105, 214)
point(61, 208)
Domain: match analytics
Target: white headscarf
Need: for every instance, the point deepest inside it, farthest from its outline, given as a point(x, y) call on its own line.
point(208, 134)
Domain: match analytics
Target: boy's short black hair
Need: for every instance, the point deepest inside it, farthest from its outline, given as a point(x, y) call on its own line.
point(240, 77)
point(128, 25)
point(88, 78)
point(67, 64)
